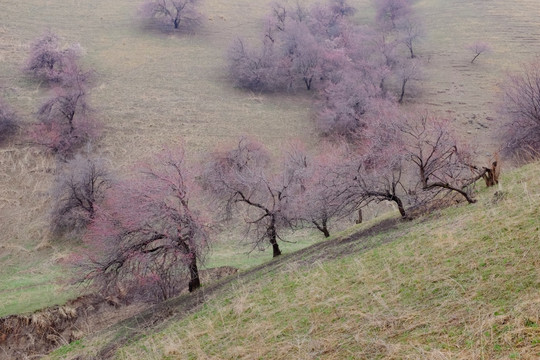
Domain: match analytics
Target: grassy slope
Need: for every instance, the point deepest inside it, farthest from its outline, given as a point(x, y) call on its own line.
point(463, 283)
point(154, 89)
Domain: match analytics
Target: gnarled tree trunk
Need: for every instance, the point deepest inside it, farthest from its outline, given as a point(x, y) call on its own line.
point(272, 236)
point(194, 280)
point(491, 176)
point(322, 227)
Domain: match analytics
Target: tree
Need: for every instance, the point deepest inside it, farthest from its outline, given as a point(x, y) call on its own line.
point(240, 180)
point(407, 71)
point(302, 52)
point(374, 165)
point(252, 70)
point(440, 160)
point(328, 21)
point(178, 13)
point(48, 61)
point(373, 178)
point(389, 12)
point(278, 17)
point(411, 31)
point(293, 47)
point(8, 121)
point(65, 121)
point(478, 48)
point(147, 231)
point(316, 197)
point(520, 104)
point(341, 8)
point(344, 106)
point(78, 190)
point(386, 49)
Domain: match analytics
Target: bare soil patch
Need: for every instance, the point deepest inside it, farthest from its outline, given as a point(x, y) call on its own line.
point(36, 334)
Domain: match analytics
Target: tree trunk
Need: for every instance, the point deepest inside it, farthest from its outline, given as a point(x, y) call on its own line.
point(359, 220)
point(308, 81)
point(70, 121)
point(326, 232)
point(491, 176)
point(275, 249)
point(322, 227)
point(403, 84)
point(194, 282)
point(325, 229)
point(412, 52)
point(400, 206)
point(272, 235)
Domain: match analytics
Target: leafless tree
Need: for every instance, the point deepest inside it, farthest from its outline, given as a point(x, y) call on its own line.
point(328, 20)
point(390, 12)
point(78, 190)
point(8, 121)
point(293, 48)
point(278, 16)
point(254, 70)
point(65, 121)
point(49, 61)
point(374, 182)
point(180, 14)
point(440, 160)
point(408, 71)
point(520, 104)
point(410, 32)
point(478, 48)
point(341, 7)
point(318, 199)
point(345, 106)
point(374, 168)
point(302, 53)
point(147, 232)
point(240, 180)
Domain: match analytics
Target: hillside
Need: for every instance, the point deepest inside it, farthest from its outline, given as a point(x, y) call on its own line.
point(153, 90)
point(461, 283)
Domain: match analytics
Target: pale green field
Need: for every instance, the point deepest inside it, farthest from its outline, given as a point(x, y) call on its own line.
point(154, 90)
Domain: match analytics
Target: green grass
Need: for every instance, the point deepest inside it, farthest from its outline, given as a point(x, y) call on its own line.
point(462, 283)
point(230, 252)
point(32, 284)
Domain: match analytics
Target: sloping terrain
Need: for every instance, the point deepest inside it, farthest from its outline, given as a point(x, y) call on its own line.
point(154, 89)
point(460, 283)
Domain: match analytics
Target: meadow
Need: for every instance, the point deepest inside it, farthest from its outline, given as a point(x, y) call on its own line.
point(154, 90)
